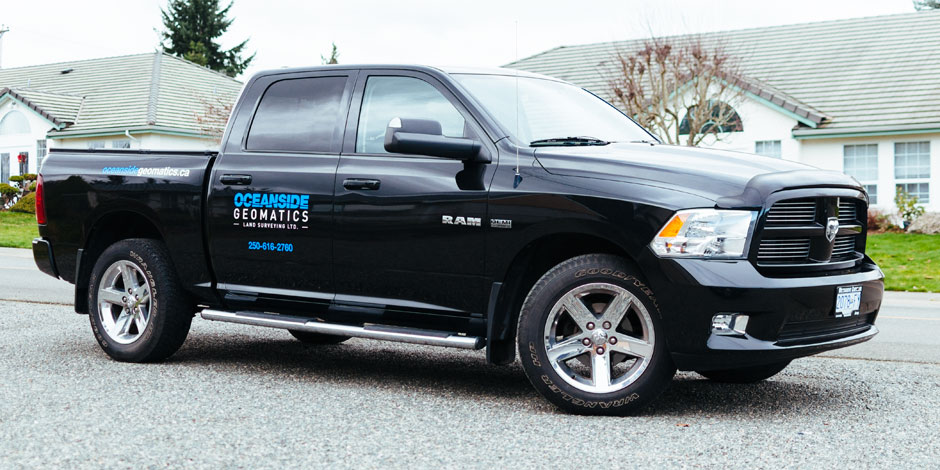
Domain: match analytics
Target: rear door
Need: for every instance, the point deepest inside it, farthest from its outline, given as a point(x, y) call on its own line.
point(271, 191)
point(393, 246)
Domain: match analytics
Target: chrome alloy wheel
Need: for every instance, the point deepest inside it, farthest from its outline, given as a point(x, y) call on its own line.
point(599, 337)
point(124, 302)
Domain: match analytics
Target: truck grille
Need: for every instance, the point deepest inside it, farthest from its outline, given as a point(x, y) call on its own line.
point(784, 249)
point(794, 212)
point(843, 246)
point(848, 211)
point(794, 232)
point(807, 332)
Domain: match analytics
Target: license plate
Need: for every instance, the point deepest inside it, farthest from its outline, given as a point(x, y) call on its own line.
point(848, 301)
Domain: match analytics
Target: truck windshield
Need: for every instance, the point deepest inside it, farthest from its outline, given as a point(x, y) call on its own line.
point(547, 112)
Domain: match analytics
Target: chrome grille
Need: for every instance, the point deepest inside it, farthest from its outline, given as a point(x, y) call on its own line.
point(793, 233)
point(782, 250)
point(843, 245)
point(848, 213)
point(793, 212)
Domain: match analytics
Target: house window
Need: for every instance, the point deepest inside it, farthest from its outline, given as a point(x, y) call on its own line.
point(14, 122)
point(97, 144)
point(121, 144)
point(723, 118)
point(912, 168)
point(41, 152)
point(767, 148)
point(861, 162)
point(919, 190)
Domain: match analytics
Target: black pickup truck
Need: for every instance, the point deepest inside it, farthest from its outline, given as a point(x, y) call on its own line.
point(471, 209)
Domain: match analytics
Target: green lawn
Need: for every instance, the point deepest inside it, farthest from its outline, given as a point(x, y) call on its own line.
point(17, 229)
point(911, 262)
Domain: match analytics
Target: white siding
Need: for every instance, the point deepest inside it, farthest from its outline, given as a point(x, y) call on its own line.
point(16, 143)
point(760, 123)
point(827, 153)
point(147, 141)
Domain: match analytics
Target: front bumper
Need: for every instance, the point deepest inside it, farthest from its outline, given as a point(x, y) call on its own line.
point(42, 254)
point(789, 317)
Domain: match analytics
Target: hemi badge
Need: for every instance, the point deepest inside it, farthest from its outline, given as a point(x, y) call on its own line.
point(501, 223)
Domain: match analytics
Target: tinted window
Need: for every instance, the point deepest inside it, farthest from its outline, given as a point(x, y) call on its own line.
point(386, 98)
point(298, 115)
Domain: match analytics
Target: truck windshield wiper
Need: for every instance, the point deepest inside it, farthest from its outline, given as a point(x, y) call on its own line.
point(562, 141)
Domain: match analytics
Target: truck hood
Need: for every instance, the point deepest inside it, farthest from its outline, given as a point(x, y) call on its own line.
point(731, 179)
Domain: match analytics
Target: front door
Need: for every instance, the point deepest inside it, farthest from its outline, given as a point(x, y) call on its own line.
point(271, 195)
point(409, 232)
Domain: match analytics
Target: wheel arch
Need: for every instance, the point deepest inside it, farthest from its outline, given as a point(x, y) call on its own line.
point(107, 229)
point(528, 265)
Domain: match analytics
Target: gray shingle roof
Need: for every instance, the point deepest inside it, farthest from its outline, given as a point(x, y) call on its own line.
point(139, 92)
point(865, 74)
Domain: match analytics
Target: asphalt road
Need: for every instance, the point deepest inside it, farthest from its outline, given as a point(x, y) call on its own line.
point(243, 397)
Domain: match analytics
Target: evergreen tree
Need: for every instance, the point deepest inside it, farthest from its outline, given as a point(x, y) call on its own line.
point(191, 28)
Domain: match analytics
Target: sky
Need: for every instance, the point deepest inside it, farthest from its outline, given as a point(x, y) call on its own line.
point(290, 33)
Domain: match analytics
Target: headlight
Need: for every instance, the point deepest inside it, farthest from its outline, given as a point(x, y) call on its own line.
point(705, 233)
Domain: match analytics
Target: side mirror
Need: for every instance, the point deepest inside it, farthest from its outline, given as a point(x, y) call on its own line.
point(425, 137)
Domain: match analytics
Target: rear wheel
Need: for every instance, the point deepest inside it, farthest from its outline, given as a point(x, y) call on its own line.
point(137, 308)
point(308, 337)
point(746, 375)
point(591, 340)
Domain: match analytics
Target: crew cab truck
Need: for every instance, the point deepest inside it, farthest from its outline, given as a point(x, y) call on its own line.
point(466, 208)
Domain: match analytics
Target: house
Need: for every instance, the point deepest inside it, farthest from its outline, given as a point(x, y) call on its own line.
point(860, 96)
point(152, 100)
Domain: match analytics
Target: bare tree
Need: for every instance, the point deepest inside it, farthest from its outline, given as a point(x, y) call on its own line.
point(214, 115)
point(332, 59)
point(682, 90)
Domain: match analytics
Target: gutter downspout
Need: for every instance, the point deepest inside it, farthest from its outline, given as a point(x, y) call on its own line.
point(127, 132)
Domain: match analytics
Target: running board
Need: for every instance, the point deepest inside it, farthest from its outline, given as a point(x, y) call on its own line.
point(387, 333)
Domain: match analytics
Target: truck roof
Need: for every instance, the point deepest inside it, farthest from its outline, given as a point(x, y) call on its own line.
point(417, 67)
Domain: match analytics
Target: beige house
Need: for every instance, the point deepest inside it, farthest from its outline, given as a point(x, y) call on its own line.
point(152, 101)
point(858, 95)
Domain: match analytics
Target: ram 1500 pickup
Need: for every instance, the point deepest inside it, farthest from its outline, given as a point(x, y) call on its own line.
point(466, 208)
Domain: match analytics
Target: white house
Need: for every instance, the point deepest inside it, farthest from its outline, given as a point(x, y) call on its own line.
point(858, 95)
point(152, 100)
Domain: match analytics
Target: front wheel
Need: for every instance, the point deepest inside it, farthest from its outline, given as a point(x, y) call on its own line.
point(591, 340)
point(137, 308)
point(745, 375)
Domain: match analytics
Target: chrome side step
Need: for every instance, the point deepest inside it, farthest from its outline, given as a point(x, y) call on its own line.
point(387, 333)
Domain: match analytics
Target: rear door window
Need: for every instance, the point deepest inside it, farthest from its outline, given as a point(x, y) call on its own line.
point(299, 115)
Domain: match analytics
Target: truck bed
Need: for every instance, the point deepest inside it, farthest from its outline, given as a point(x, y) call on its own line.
point(112, 192)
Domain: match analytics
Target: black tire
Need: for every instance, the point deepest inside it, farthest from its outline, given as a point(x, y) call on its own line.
point(745, 375)
point(585, 272)
point(308, 337)
point(169, 309)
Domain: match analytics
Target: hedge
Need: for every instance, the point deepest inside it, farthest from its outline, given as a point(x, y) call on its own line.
point(26, 204)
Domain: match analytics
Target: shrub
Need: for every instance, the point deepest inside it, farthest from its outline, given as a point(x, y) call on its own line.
point(907, 206)
point(7, 191)
point(26, 204)
point(17, 179)
point(32, 186)
point(928, 223)
point(878, 222)
point(29, 177)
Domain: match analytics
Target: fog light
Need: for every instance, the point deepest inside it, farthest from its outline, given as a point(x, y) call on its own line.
point(729, 324)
